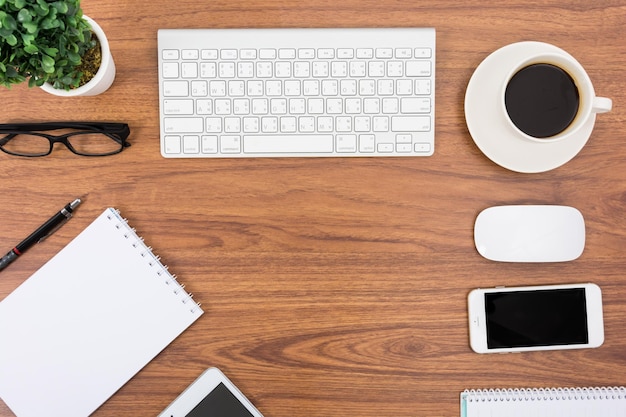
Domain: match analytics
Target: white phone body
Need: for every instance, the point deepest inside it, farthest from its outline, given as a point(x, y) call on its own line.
point(548, 317)
point(211, 394)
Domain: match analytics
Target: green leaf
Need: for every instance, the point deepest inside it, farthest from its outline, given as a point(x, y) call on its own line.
point(24, 16)
point(61, 7)
point(49, 23)
point(27, 39)
point(74, 58)
point(31, 27)
point(50, 51)
point(47, 64)
point(41, 9)
point(31, 49)
point(9, 23)
point(11, 40)
point(20, 3)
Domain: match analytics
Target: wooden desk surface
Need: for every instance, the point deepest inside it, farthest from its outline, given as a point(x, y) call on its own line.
point(337, 287)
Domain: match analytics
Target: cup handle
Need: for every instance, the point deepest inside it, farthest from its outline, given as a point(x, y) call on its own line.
point(602, 104)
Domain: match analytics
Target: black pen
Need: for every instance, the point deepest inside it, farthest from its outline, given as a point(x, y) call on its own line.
point(40, 234)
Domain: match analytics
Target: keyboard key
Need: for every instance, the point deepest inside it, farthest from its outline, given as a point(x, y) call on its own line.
point(288, 144)
point(182, 107)
point(418, 68)
point(346, 143)
point(414, 105)
point(422, 147)
point(423, 53)
point(170, 70)
point(191, 144)
point(230, 144)
point(175, 88)
point(184, 124)
point(364, 53)
point(267, 53)
point(410, 124)
point(209, 144)
point(229, 54)
point(190, 54)
point(170, 54)
point(172, 144)
point(367, 143)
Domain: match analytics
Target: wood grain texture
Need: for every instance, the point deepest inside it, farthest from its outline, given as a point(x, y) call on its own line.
point(337, 287)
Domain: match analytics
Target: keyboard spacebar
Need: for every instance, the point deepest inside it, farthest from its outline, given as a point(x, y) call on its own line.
point(287, 144)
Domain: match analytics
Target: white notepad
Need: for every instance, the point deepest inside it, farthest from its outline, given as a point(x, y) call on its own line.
point(87, 321)
point(545, 402)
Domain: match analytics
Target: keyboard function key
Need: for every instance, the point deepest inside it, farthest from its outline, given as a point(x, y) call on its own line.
point(404, 53)
point(267, 53)
point(190, 54)
point(345, 53)
point(286, 53)
point(170, 54)
point(423, 53)
point(209, 54)
point(382, 53)
point(306, 53)
point(247, 54)
point(364, 53)
point(229, 54)
point(325, 53)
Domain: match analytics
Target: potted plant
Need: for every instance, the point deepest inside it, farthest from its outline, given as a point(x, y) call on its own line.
point(53, 46)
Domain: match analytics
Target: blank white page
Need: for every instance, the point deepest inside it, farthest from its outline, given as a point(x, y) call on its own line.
point(87, 321)
point(548, 402)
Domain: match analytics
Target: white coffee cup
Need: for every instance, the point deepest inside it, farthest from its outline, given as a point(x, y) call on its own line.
point(588, 103)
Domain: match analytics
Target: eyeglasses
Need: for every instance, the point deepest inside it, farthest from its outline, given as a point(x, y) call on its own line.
point(82, 138)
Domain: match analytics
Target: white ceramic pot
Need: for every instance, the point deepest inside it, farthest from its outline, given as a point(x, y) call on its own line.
point(103, 78)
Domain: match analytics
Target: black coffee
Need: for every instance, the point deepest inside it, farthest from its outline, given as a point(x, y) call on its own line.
point(541, 100)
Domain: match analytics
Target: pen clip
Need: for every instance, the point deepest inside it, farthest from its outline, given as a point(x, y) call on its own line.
point(57, 227)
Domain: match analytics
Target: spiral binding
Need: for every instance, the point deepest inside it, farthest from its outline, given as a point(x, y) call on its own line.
point(153, 260)
point(545, 394)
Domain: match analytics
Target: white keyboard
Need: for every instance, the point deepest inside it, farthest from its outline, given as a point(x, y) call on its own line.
point(227, 93)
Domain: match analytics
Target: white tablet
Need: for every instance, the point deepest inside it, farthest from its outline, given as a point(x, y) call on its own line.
point(211, 395)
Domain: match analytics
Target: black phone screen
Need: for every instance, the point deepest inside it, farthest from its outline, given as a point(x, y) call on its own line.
point(220, 403)
point(536, 318)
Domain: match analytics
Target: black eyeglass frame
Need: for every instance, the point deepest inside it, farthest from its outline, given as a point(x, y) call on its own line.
point(118, 132)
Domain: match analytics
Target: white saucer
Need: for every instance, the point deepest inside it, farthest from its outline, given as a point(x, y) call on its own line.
point(491, 132)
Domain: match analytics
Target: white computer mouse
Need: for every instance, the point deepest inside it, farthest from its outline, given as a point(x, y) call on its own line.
point(530, 233)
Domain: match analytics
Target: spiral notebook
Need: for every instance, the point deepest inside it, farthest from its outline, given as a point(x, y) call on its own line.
point(87, 321)
point(545, 402)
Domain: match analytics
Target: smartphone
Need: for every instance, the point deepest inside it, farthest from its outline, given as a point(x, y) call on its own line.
point(547, 317)
point(211, 395)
